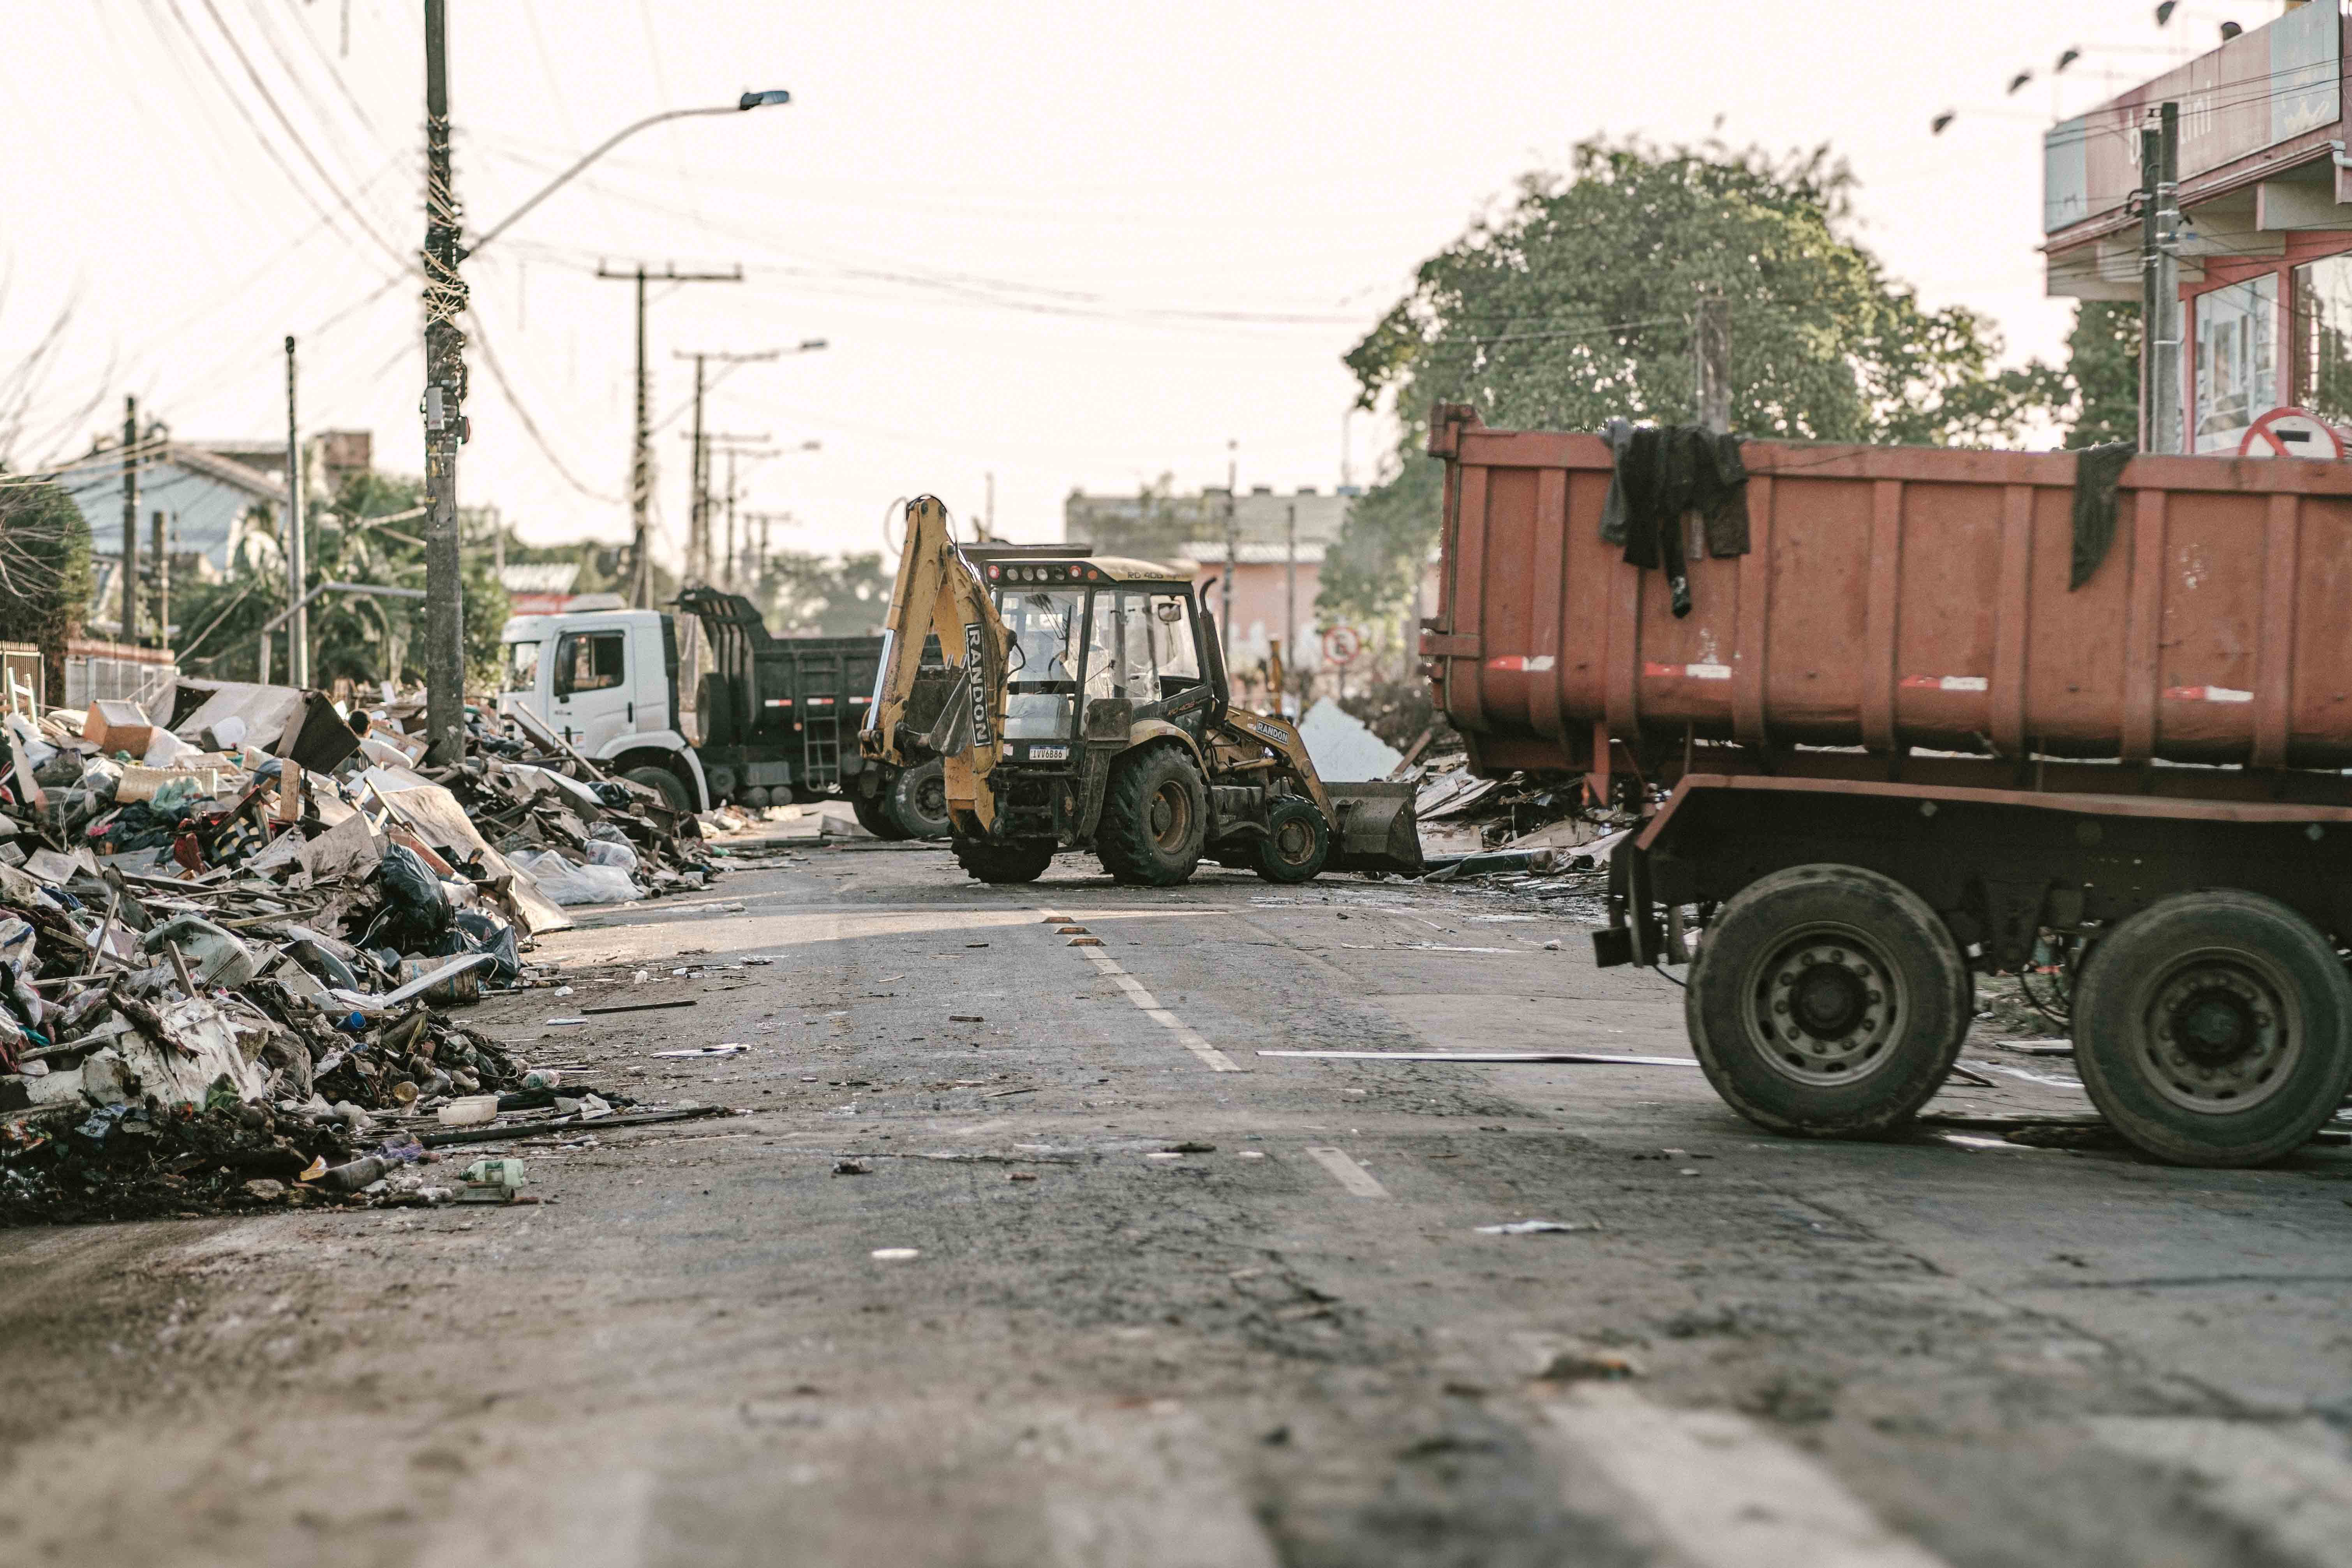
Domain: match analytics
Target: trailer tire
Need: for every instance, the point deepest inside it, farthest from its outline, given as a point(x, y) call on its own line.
point(873, 812)
point(917, 801)
point(986, 862)
point(1296, 843)
point(2215, 1029)
point(1155, 817)
point(1827, 1002)
point(672, 788)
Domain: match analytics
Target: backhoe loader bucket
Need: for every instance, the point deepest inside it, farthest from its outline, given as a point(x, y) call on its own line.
point(1377, 830)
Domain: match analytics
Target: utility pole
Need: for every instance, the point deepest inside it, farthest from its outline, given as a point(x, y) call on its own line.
point(1232, 552)
point(727, 566)
point(1711, 347)
point(697, 548)
point(991, 506)
point(163, 583)
point(297, 573)
point(2172, 429)
point(131, 521)
point(641, 458)
point(1291, 598)
point(445, 420)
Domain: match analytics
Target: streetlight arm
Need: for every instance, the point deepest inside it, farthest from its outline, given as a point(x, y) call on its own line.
point(748, 100)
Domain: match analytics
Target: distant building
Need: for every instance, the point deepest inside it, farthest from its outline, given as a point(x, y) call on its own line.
point(2265, 191)
point(1189, 531)
point(538, 588)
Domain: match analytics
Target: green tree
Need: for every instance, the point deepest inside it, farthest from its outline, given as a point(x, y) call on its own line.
point(2103, 373)
point(45, 570)
point(1575, 304)
point(366, 534)
point(819, 595)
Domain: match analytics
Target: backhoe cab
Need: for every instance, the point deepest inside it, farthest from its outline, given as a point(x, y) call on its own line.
point(1090, 710)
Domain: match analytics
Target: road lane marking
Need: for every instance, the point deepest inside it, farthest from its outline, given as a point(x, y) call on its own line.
point(1348, 1173)
point(2290, 1484)
point(1723, 1492)
point(1148, 1005)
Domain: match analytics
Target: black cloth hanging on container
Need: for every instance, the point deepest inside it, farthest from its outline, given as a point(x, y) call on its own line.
point(2098, 470)
point(1662, 474)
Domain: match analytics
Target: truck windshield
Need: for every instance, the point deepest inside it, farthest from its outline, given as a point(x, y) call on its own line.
point(522, 666)
point(1042, 663)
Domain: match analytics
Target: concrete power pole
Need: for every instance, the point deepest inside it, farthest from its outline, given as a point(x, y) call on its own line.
point(130, 632)
point(698, 531)
point(445, 420)
point(1711, 347)
point(1232, 552)
point(641, 455)
point(160, 548)
point(298, 576)
point(1290, 600)
point(2161, 428)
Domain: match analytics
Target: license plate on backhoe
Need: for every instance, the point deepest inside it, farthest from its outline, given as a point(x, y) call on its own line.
point(1049, 754)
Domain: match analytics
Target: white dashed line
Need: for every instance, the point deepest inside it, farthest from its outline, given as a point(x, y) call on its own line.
point(1724, 1492)
point(2290, 1484)
point(1348, 1173)
point(1148, 1005)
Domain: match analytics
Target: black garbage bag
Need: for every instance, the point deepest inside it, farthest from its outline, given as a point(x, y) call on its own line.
point(416, 910)
point(471, 930)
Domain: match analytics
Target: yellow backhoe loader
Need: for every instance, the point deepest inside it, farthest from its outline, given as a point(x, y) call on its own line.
point(1080, 702)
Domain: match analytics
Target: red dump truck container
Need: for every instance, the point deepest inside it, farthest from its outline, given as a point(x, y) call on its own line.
point(1901, 598)
point(1894, 747)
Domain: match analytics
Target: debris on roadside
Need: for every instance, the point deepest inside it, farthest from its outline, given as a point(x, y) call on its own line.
point(1535, 1227)
point(231, 923)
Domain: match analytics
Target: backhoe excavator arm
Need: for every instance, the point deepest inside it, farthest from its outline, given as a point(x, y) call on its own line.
point(938, 594)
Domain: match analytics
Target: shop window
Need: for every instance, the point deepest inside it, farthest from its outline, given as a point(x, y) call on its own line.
point(2322, 338)
point(2237, 361)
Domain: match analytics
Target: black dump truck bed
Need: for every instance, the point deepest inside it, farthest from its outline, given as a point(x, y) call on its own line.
point(777, 714)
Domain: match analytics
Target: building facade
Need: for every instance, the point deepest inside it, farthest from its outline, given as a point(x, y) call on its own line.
point(2265, 245)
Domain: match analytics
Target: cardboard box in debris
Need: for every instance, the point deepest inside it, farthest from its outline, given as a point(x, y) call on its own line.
point(226, 920)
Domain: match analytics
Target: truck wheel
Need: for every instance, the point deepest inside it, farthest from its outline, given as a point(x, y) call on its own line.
point(2215, 1029)
point(873, 812)
point(1297, 842)
point(1003, 862)
point(1155, 818)
point(673, 788)
point(1827, 1002)
point(917, 800)
point(714, 708)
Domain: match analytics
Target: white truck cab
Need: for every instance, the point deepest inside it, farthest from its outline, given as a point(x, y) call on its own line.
point(606, 680)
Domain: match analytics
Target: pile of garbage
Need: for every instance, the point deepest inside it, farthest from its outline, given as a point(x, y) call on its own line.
point(1524, 833)
point(226, 937)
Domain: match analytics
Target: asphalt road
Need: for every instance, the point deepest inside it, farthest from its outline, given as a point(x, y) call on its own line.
point(1115, 1289)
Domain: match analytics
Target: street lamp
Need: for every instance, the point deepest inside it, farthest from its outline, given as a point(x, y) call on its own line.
point(750, 101)
point(444, 376)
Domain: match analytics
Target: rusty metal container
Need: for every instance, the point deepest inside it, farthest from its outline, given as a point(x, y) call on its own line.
point(1897, 599)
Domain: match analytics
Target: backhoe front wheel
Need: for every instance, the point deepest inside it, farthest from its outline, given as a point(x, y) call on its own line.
point(1297, 844)
point(987, 862)
point(1827, 1002)
point(1155, 817)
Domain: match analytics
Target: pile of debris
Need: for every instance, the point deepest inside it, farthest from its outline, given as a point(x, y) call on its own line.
point(223, 938)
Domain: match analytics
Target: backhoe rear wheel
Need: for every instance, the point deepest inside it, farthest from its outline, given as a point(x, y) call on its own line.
point(986, 862)
point(1827, 1002)
point(1155, 817)
point(1297, 842)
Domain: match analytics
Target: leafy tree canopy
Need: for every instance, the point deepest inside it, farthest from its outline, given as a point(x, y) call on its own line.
point(1576, 302)
point(45, 569)
point(821, 595)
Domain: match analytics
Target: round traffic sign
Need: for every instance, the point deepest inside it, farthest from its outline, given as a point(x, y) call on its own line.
point(2293, 433)
point(1341, 645)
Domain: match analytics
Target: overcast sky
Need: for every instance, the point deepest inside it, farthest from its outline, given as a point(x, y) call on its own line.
point(1072, 245)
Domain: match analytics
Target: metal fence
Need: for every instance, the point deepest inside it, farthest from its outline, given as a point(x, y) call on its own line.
point(115, 671)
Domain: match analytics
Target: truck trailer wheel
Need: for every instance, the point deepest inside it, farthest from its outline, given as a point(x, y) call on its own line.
point(917, 801)
point(1827, 1002)
point(1297, 844)
point(1155, 817)
point(2215, 1029)
point(1003, 862)
point(873, 812)
point(672, 788)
